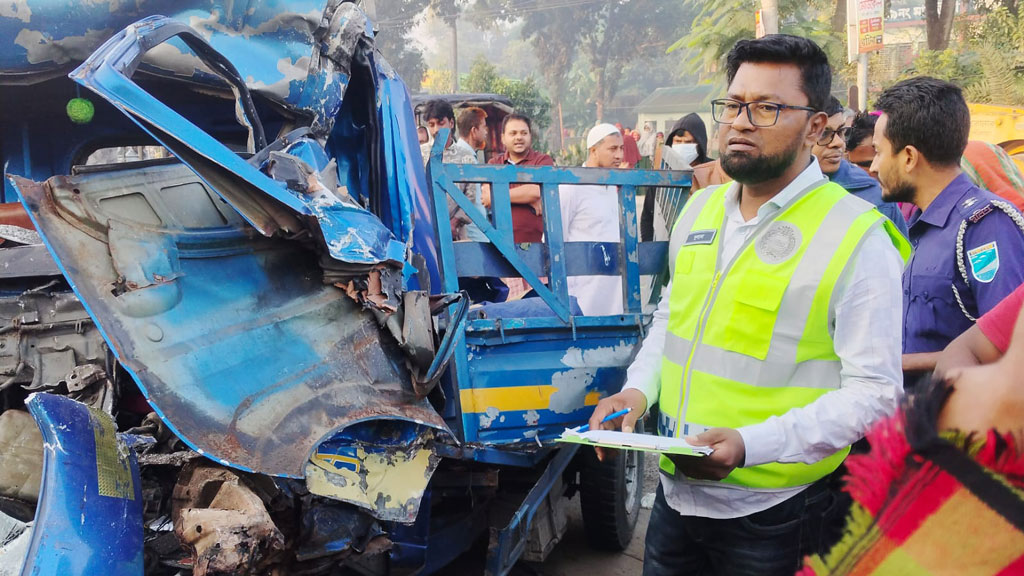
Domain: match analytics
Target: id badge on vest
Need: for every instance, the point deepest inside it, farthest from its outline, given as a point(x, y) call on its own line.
point(699, 237)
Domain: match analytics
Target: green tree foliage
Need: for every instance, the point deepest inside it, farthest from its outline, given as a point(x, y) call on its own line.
point(949, 65)
point(610, 34)
point(720, 24)
point(483, 77)
point(525, 95)
point(395, 20)
point(987, 61)
point(1000, 82)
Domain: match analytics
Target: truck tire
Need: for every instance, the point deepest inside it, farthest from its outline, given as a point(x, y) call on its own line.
point(610, 493)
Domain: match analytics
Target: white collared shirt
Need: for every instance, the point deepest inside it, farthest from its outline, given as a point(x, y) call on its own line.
point(868, 341)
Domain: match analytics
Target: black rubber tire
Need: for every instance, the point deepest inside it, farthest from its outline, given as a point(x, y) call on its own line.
point(610, 493)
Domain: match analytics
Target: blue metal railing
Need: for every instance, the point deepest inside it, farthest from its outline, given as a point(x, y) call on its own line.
point(555, 259)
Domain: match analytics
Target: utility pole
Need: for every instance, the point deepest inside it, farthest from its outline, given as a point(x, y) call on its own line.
point(864, 33)
point(862, 81)
point(770, 16)
point(853, 55)
point(561, 127)
point(455, 54)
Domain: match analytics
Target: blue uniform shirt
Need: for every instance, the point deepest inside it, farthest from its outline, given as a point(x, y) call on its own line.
point(993, 250)
point(862, 185)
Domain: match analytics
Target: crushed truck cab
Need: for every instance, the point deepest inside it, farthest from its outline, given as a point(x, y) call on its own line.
point(264, 348)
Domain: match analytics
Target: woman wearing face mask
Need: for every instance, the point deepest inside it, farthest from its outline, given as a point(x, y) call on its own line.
point(689, 141)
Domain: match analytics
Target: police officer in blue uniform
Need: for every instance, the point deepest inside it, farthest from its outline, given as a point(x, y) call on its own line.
point(968, 243)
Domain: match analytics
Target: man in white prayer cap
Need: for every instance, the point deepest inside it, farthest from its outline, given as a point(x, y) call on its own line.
point(590, 213)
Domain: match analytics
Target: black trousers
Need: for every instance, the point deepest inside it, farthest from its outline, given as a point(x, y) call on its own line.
point(766, 543)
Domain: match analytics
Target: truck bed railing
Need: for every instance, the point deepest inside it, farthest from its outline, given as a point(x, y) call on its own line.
point(555, 259)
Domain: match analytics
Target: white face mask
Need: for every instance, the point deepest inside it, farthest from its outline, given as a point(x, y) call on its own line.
point(687, 151)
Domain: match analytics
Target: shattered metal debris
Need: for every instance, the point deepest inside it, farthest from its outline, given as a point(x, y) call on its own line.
point(173, 459)
point(223, 522)
point(46, 338)
point(15, 537)
point(383, 467)
point(331, 527)
point(379, 290)
point(87, 383)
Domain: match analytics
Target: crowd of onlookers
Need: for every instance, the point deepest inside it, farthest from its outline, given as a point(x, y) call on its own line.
point(946, 207)
point(938, 306)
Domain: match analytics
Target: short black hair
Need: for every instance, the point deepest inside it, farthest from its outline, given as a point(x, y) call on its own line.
point(815, 72)
point(438, 110)
point(833, 107)
point(516, 116)
point(928, 114)
point(863, 127)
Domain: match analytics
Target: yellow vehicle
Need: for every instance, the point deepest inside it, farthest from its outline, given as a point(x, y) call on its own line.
point(1000, 125)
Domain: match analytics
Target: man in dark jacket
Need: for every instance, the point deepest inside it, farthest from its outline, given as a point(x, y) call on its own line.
point(688, 132)
point(829, 151)
point(690, 129)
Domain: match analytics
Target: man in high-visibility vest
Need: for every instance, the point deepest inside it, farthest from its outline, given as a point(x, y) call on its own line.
point(777, 342)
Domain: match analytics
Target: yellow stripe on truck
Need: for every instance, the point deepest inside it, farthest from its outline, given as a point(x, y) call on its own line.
point(515, 398)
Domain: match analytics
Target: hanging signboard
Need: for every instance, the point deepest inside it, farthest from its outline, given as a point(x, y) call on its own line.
point(869, 20)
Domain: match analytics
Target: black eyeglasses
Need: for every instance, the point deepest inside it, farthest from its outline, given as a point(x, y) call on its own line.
point(760, 114)
point(829, 134)
point(865, 164)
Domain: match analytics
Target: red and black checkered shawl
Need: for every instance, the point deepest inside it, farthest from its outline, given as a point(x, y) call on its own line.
point(926, 503)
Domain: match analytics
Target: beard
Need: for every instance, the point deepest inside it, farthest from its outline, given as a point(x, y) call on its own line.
point(901, 192)
point(747, 169)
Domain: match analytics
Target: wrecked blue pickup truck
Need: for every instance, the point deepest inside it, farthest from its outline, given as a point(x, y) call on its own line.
point(234, 337)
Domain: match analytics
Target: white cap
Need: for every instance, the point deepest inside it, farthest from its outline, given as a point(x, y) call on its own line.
point(599, 132)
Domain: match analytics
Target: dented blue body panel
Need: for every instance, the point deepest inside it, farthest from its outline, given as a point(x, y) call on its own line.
point(89, 517)
point(355, 235)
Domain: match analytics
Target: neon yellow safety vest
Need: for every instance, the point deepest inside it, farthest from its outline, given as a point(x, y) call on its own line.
point(752, 338)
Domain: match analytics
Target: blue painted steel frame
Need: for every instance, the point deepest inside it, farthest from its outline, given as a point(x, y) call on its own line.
point(585, 334)
point(444, 176)
point(512, 539)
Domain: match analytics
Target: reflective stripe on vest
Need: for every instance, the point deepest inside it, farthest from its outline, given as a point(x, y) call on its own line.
point(752, 338)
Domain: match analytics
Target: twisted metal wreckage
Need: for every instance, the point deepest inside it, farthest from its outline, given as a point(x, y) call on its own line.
point(239, 357)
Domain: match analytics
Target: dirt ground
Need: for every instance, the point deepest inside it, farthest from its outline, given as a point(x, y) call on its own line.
point(572, 556)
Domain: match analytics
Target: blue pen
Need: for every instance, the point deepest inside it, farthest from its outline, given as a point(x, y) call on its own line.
point(611, 416)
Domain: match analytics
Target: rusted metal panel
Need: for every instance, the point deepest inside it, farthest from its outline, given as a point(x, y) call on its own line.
point(235, 340)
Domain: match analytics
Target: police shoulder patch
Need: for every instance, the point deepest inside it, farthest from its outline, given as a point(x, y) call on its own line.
point(984, 261)
point(974, 208)
point(980, 213)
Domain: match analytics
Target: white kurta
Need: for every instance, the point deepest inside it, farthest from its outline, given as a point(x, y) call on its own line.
point(590, 213)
